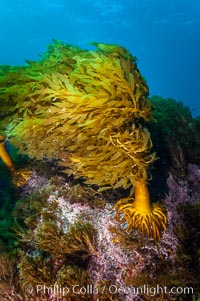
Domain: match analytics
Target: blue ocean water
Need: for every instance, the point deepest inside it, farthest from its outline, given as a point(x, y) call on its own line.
point(163, 35)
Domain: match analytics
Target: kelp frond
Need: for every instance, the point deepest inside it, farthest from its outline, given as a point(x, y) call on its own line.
point(87, 109)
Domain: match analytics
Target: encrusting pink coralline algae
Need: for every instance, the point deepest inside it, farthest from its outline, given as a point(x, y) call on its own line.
point(113, 263)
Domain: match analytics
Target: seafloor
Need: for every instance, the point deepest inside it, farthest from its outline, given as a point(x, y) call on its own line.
point(61, 242)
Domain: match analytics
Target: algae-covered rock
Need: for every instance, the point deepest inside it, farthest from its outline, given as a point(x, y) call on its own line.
point(175, 135)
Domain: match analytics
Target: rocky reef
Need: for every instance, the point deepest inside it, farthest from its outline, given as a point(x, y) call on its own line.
point(63, 244)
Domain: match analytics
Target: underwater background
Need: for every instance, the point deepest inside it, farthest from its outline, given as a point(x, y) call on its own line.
point(163, 35)
point(99, 150)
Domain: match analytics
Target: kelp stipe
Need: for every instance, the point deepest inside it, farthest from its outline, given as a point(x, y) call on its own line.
point(20, 176)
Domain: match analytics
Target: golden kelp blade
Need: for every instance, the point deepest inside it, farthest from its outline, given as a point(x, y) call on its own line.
point(88, 109)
